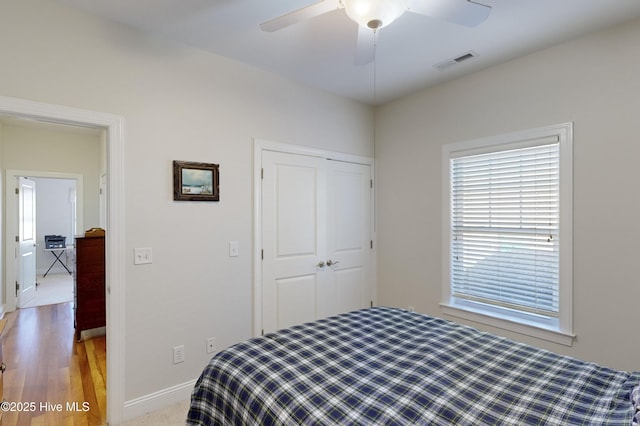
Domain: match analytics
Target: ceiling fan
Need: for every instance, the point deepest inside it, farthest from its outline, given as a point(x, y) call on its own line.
point(371, 15)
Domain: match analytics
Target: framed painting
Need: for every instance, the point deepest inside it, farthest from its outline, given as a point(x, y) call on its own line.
point(196, 181)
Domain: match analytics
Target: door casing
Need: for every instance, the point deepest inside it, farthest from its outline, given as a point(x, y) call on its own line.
point(115, 244)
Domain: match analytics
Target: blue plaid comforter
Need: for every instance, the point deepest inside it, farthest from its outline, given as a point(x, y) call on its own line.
point(387, 366)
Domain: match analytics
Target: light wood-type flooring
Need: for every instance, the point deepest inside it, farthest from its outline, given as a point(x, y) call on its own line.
point(51, 377)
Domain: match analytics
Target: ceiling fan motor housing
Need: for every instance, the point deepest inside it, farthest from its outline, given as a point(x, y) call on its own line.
point(374, 24)
point(375, 14)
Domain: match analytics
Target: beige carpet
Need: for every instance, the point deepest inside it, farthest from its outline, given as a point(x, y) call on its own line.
point(173, 415)
point(54, 288)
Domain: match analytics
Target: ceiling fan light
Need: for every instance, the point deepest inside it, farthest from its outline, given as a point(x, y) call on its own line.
point(375, 14)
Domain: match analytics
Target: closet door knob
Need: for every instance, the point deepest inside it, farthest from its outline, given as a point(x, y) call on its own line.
point(331, 262)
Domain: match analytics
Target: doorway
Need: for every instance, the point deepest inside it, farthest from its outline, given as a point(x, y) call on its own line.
point(59, 217)
point(70, 224)
point(115, 253)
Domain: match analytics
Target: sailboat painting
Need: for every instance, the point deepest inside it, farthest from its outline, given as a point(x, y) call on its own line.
point(195, 181)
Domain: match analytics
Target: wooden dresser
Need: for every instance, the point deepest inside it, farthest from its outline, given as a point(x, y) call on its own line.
point(89, 284)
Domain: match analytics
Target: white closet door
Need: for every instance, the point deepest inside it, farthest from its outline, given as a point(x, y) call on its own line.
point(349, 218)
point(293, 226)
point(315, 212)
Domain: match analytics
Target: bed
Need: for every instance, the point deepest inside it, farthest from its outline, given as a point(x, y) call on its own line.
point(385, 366)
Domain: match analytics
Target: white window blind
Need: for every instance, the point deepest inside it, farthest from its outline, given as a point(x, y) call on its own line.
point(504, 225)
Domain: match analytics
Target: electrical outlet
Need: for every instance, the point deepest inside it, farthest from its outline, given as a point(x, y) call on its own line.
point(178, 354)
point(234, 249)
point(211, 345)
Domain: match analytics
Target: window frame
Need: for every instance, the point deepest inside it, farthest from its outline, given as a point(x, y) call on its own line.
point(558, 330)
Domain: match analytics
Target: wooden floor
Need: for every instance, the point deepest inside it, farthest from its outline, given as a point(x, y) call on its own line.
point(63, 381)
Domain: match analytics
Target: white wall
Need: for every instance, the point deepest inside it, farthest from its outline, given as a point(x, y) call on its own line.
point(55, 207)
point(592, 81)
point(57, 150)
point(178, 103)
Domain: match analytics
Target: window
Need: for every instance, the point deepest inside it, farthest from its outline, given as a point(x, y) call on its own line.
point(508, 231)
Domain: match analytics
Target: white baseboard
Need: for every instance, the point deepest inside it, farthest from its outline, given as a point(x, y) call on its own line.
point(157, 400)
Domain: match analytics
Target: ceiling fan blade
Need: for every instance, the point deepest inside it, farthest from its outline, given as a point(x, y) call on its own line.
point(365, 49)
point(300, 15)
point(463, 12)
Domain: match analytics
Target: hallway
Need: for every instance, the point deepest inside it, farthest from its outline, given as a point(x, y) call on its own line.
point(55, 379)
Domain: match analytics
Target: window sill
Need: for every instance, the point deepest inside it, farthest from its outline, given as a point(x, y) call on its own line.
point(509, 323)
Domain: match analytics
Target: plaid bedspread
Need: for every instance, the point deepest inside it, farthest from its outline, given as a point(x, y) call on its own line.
point(387, 366)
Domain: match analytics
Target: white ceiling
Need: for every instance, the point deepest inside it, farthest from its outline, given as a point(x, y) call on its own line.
point(321, 51)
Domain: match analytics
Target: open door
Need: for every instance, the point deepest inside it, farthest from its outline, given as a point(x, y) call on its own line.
point(26, 276)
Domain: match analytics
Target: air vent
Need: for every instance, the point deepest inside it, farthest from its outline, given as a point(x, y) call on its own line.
point(464, 57)
point(457, 60)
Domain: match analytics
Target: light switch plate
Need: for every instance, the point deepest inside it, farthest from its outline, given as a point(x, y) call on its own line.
point(142, 255)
